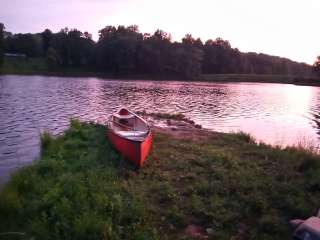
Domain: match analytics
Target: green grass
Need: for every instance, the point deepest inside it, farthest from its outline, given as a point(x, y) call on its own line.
point(268, 78)
point(81, 188)
point(38, 66)
point(23, 66)
point(247, 77)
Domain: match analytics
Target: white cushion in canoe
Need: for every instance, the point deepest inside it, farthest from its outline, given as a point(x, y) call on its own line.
point(127, 134)
point(128, 116)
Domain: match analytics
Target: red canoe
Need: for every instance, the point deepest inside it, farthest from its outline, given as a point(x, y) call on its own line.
point(130, 135)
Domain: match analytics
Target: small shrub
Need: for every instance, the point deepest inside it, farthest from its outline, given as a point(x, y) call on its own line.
point(246, 137)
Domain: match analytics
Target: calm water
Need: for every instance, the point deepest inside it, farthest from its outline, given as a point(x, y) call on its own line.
point(274, 113)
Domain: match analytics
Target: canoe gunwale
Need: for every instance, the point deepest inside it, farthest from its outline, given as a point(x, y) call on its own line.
point(110, 121)
point(132, 140)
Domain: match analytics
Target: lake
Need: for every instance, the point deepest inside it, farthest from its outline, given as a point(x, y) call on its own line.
point(277, 114)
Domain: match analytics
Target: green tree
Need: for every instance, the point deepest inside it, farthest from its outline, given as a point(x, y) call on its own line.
point(1, 42)
point(46, 36)
point(52, 59)
point(29, 44)
point(155, 54)
point(73, 47)
point(316, 66)
point(116, 50)
point(124, 50)
point(192, 57)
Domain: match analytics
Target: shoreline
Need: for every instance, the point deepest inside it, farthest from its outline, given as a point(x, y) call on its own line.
point(209, 78)
point(195, 184)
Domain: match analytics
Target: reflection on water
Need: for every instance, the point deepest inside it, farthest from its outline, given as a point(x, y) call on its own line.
point(274, 113)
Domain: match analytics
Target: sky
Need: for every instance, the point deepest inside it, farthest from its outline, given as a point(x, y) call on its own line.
point(286, 28)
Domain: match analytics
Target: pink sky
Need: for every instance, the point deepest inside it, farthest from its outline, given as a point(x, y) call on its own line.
point(288, 28)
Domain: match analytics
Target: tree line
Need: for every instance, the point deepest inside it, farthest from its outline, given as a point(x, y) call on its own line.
point(125, 51)
point(1, 42)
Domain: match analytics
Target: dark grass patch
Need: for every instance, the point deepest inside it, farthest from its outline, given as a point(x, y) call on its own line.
point(30, 65)
point(82, 189)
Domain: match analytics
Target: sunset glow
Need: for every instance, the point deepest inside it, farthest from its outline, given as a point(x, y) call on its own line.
point(285, 28)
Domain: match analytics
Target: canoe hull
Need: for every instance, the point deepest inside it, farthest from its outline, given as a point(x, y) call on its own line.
point(134, 151)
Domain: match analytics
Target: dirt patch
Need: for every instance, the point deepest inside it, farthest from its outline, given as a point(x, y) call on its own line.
point(178, 126)
point(183, 130)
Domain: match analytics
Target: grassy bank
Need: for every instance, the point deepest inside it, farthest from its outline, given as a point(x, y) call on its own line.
point(222, 186)
point(267, 78)
point(37, 66)
point(23, 66)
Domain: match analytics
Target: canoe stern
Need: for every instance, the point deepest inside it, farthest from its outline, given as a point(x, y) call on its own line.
point(134, 151)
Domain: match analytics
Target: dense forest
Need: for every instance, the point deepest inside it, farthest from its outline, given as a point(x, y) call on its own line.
point(316, 66)
point(125, 51)
point(1, 43)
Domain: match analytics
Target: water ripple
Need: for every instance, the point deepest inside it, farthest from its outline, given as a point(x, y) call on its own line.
point(30, 105)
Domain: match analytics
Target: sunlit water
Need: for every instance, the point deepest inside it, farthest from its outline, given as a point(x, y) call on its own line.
point(273, 113)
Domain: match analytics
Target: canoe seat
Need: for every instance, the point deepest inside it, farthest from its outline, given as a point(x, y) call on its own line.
point(128, 116)
point(128, 134)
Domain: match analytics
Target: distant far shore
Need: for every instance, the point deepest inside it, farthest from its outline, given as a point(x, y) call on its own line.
point(38, 67)
point(218, 78)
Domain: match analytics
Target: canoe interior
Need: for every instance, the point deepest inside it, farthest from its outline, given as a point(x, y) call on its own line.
point(128, 125)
